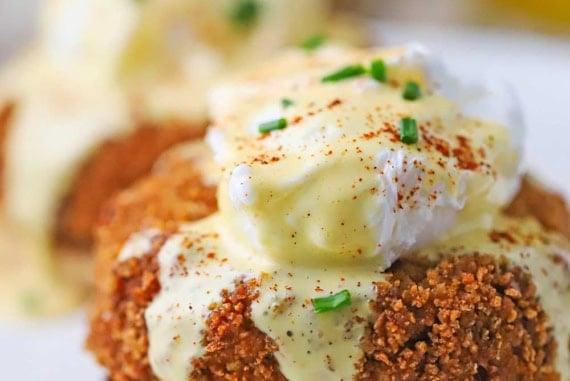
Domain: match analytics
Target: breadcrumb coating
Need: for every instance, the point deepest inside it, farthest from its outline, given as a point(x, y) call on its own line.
point(118, 334)
point(461, 318)
point(235, 348)
point(466, 318)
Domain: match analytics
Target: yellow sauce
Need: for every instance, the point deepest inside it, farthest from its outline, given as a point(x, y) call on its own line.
point(337, 183)
point(59, 119)
point(199, 262)
point(295, 227)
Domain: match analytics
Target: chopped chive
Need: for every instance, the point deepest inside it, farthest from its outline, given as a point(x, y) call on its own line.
point(245, 13)
point(378, 70)
point(408, 131)
point(333, 302)
point(344, 73)
point(313, 43)
point(286, 102)
point(411, 91)
point(272, 125)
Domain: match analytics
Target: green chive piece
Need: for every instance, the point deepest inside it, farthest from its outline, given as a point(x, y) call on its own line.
point(331, 303)
point(412, 91)
point(378, 70)
point(345, 73)
point(408, 131)
point(245, 13)
point(313, 43)
point(286, 102)
point(272, 125)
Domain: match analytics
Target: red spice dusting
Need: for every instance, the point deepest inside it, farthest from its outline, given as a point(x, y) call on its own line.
point(432, 141)
point(464, 154)
point(395, 134)
point(334, 103)
point(371, 134)
point(296, 120)
point(497, 236)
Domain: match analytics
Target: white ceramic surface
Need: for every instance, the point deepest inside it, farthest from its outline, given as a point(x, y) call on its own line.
point(539, 69)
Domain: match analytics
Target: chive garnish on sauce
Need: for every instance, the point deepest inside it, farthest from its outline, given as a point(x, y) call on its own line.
point(272, 125)
point(286, 102)
point(345, 73)
point(313, 43)
point(411, 91)
point(378, 70)
point(408, 131)
point(331, 303)
point(245, 13)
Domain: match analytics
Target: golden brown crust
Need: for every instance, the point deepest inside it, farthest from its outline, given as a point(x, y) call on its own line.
point(472, 310)
point(118, 332)
point(118, 335)
point(468, 318)
point(162, 200)
point(235, 348)
point(114, 166)
point(6, 112)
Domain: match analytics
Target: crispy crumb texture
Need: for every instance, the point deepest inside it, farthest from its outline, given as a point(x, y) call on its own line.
point(462, 318)
point(466, 318)
point(123, 291)
point(118, 329)
point(235, 348)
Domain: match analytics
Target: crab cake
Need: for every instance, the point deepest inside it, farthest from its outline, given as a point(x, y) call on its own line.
point(360, 233)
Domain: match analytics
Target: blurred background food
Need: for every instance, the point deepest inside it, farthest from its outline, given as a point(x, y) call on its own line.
point(547, 16)
point(91, 93)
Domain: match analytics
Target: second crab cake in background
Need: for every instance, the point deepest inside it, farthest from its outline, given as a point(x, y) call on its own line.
point(85, 110)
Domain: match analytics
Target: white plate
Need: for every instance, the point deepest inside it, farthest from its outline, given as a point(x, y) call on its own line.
point(538, 67)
